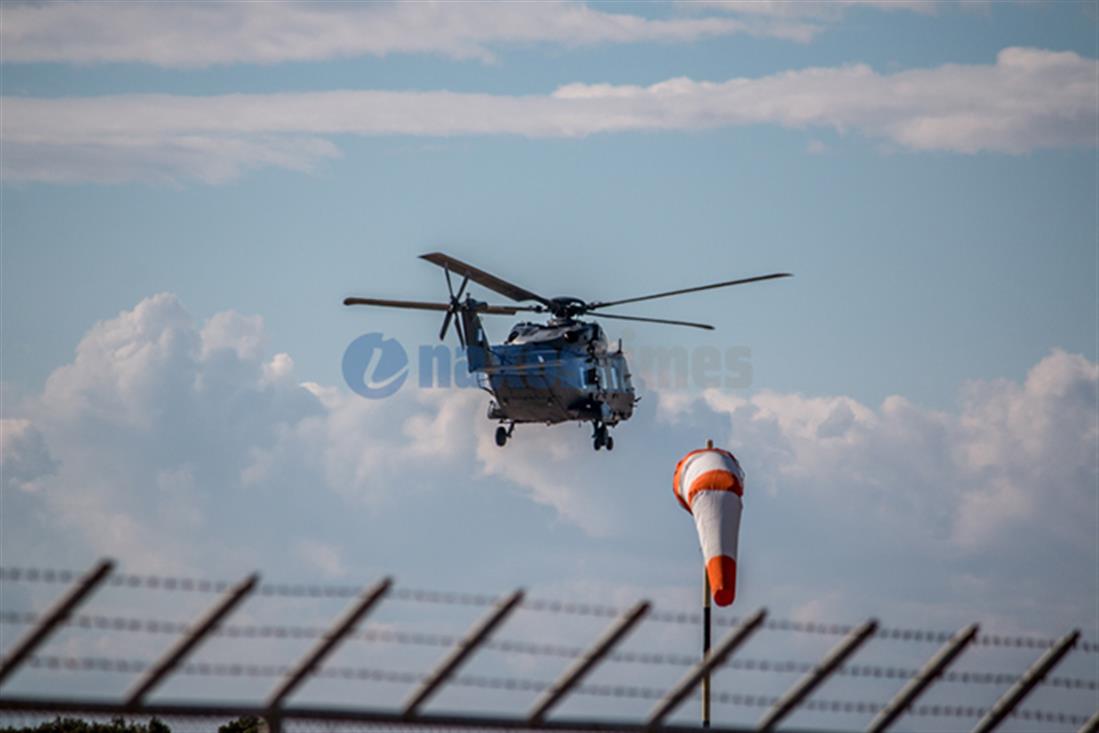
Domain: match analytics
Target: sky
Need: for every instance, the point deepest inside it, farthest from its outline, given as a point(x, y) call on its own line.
point(190, 190)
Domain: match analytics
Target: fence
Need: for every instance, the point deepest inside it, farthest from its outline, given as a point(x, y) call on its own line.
point(460, 648)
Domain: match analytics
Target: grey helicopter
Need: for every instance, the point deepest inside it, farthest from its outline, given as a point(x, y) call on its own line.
point(559, 371)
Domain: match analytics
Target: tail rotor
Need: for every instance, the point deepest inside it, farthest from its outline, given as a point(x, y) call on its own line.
point(455, 305)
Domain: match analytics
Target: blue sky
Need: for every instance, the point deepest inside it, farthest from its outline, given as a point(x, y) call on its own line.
point(177, 215)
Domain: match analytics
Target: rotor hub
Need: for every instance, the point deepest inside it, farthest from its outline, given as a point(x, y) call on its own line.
point(567, 307)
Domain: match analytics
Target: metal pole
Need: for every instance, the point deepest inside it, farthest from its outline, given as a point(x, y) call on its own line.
point(688, 684)
point(60, 612)
point(1091, 725)
point(465, 648)
point(926, 676)
point(1026, 683)
point(706, 625)
point(187, 644)
point(572, 677)
point(705, 646)
point(325, 646)
point(805, 686)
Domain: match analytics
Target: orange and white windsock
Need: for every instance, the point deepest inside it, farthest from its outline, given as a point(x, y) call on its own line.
point(709, 483)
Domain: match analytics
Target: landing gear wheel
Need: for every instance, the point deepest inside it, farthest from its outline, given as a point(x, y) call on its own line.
point(610, 443)
point(600, 437)
point(502, 436)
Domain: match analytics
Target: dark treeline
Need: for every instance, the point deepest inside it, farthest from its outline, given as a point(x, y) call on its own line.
point(120, 725)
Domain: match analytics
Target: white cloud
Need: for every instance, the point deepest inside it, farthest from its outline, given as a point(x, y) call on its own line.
point(164, 433)
point(187, 35)
point(554, 468)
point(813, 8)
point(210, 158)
point(801, 20)
point(1029, 99)
point(1015, 460)
point(150, 425)
point(24, 455)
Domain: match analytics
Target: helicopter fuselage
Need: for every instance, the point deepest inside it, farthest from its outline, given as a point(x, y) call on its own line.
point(551, 373)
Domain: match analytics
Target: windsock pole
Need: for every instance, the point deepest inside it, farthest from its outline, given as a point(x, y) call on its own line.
point(705, 648)
point(706, 637)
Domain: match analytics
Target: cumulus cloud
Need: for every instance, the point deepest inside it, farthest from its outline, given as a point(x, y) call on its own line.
point(1014, 459)
point(1029, 99)
point(24, 455)
point(165, 434)
point(188, 35)
point(150, 425)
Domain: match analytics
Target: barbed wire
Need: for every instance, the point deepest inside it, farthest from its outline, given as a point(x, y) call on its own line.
point(286, 590)
point(518, 684)
point(419, 638)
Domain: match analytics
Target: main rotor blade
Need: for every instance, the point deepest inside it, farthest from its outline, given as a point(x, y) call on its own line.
point(494, 310)
point(415, 304)
point(670, 293)
point(706, 326)
point(449, 285)
point(503, 287)
point(446, 323)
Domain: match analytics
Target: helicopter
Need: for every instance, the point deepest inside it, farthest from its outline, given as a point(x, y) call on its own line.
point(553, 372)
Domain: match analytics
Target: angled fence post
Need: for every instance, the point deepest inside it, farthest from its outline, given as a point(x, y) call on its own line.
point(687, 685)
point(56, 616)
point(187, 644)
point(329, 641)
point(925, 678)
point(586, 663)
point(805, 686)
point(465, 648)
point(1033, 676)
point(1091, 725)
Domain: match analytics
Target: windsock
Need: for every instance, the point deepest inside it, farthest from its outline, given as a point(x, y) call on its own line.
point(709, 483)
